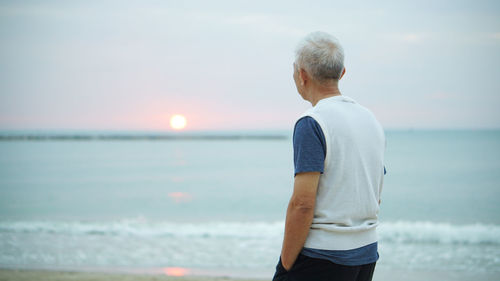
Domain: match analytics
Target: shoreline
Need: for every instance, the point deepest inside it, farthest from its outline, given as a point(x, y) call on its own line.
point(18, 274)
point(25, 274)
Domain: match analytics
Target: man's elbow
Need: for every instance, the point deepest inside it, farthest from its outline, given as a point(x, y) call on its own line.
point(303, 205)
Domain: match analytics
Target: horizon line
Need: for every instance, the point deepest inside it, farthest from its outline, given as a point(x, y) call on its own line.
point(103, 135)
point(196, 131)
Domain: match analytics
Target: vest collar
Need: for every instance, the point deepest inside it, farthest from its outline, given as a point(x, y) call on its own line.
point(337, 98)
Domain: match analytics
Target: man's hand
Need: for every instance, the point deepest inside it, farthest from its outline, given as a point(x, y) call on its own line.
point(299, 216)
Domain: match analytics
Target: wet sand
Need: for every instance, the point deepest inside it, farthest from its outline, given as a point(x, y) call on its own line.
point(380, 275)
point(49, 275)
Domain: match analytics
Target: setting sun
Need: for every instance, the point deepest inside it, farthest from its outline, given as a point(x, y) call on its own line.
point(178, 122)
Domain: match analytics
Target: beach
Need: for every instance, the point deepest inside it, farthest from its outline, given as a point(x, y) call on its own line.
point(380, 275)
point(46, 275)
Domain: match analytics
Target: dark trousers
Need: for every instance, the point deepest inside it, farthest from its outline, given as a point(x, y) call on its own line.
point(311, 269)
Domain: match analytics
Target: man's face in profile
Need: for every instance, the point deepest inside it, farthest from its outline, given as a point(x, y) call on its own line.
point(296, 79)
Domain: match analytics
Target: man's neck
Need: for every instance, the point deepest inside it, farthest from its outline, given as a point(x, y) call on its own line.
point(324, 92)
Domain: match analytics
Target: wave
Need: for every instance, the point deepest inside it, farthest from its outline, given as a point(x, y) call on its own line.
point(389, 232)
point(442, 233)
point(141, 227)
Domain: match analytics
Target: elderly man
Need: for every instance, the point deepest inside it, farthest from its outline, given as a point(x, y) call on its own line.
point(339, 168)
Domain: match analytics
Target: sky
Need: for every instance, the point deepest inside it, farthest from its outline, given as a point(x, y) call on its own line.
point(227, 65)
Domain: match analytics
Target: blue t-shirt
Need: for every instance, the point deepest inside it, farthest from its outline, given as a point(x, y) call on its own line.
point(309, 152)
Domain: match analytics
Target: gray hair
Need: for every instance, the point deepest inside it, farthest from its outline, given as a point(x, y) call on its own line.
point(321, 55)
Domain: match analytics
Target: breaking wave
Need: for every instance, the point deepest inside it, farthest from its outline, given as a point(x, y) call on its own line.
point(389, 232)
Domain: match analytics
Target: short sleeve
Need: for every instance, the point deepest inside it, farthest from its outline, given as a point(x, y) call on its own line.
point(309, 146)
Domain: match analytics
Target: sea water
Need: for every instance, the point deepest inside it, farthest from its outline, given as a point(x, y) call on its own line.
point(218, 205)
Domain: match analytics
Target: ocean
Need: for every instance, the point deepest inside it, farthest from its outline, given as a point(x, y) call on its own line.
point(217, 205)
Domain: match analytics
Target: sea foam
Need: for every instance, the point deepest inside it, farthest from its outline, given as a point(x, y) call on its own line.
point(389, 232)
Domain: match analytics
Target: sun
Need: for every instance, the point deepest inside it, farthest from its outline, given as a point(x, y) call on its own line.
point(178, 122)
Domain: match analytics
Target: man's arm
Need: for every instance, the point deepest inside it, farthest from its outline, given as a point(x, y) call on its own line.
point(299, 216)
point(381, 185)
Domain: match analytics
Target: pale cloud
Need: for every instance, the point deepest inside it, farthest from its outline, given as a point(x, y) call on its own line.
point(442, 96)
point(258, 22)
point(23, 9)
point(495, 35)
point(266, 23)
point(414, 37)
point(411, 37)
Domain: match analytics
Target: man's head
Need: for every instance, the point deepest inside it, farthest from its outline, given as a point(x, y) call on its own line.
point(319, 62)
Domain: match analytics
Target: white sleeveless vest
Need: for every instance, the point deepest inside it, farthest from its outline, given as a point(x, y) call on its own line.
point(346, 211)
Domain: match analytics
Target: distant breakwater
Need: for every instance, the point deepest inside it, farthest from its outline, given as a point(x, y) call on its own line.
point(124, 137)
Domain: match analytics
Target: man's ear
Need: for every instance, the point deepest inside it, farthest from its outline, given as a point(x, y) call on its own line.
point(304, 77)
point(342, 75)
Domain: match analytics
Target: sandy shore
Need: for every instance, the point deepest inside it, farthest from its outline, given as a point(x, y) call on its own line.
point(380, 275)
point(49, 275)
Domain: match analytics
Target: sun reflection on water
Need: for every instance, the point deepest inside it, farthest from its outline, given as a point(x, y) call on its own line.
point(175, 271)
